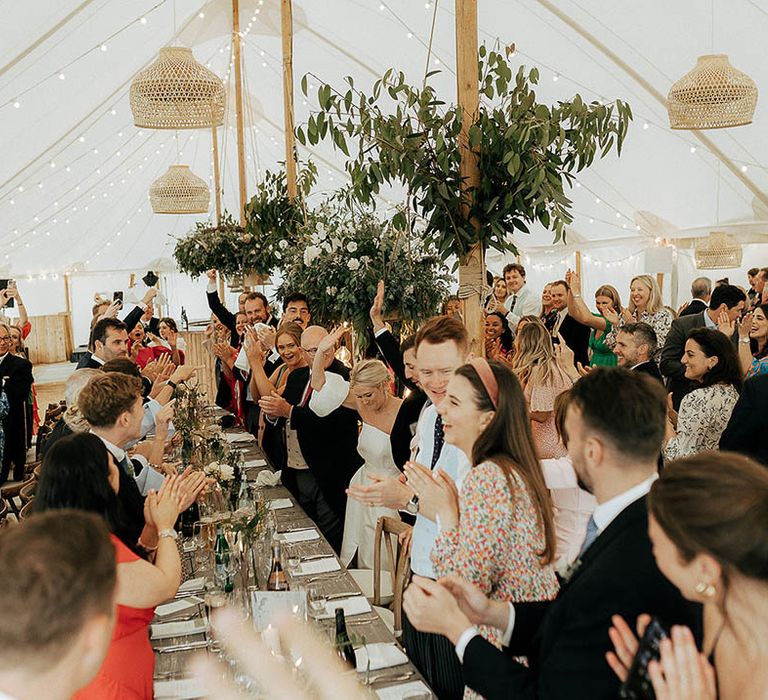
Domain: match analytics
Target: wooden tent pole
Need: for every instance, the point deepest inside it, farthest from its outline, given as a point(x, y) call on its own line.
point(290, 143)
point(216, 174)
point(240, 128)
point(578, 264)
point(472, 268)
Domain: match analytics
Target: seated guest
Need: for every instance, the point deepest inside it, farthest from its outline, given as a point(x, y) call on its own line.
point(542, 378)
point(58, 570)
point(726, 300)
point(110, 339)
point(498, 336)
point(499, 534)
point(79, 472)
point(716, 555)
point(745, 430)
point(635, 348)
point(16, 381)
point(615, 425)
point(138, 349)
point(575, 334)
point(753, 342)
point(71, 421)
point(701, 290)
point(169, 334)
point(710, 362)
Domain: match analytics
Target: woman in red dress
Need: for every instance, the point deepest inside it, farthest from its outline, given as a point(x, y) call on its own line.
point(143, 354)
point(79, 472)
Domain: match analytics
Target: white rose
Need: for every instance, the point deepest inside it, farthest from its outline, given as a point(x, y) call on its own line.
point(283, 244)
point(310, 254)
point(226, 473)
point(351, 246)
point(365, 259)
point(353, 264)
point(212, 469)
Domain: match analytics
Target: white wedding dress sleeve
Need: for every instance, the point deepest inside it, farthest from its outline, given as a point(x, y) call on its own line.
point(331, 396)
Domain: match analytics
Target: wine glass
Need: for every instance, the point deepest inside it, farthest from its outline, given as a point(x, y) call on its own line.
point(316, 602)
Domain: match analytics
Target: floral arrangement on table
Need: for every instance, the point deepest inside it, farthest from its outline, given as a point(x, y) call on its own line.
point(340, 258)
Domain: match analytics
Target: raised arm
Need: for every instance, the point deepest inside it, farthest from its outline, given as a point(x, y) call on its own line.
point(577, 309)
point(254, 351)
point(217, 307)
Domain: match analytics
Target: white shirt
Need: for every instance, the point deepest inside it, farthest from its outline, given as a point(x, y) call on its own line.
point(456, 465)
point(97, 359)
point(526, 304)
point(604, 514)
point(4, 696)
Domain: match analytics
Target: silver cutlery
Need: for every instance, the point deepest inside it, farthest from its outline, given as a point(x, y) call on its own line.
point(202, 644)
point(348, 594)
point(326, 577)
point(312, 557)
point(387, 678)
point(363, 620)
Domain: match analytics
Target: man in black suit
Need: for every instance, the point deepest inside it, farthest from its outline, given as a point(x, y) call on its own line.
point(110, 340)
point(701, 290)
point(615, 425)
point(744, 432)
point(726, 298)
point(575, 334)
point(322, 452)
point(16, 380)
point(635, 345)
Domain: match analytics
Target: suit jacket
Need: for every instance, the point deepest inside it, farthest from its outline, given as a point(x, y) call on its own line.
point(329, 444)
point(131, 508)
point(576, 337)
point(651, 369)
point(744, 432)
point(565, 640)
point(696, 306)
point(16, 380)
point(87, 362)
point(222, 313)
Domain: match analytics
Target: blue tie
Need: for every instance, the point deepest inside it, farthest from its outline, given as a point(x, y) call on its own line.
point(127, 466)
point(590, 537)
point(439, 440)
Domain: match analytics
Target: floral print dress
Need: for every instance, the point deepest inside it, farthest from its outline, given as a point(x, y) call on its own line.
point(497, 543)
point(661, 322)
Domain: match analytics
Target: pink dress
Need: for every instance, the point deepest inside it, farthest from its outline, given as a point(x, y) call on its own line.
point(541, 398)
point(497, 543)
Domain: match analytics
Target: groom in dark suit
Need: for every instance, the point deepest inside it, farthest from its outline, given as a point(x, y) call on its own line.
point(16, 381)
point(615, 426)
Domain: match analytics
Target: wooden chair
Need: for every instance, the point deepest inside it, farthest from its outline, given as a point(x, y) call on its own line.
point(25, 511)
point(9, 492)
point(27, 492)
point(3, 513)
point(36, 471)
point(388, 531)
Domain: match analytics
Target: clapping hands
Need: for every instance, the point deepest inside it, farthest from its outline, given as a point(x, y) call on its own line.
point(437, 492)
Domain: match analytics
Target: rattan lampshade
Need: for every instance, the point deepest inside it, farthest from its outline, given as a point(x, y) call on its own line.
point(176, 92)
point(179, 191)
point(717, 251)
point(714, 95)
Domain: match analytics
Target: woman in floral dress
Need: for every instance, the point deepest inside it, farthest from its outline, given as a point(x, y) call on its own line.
point(499, 534)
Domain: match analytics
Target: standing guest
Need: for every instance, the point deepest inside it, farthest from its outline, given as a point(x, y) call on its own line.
point(59, 571)
point(701, 290)
point(635, 347)
point(169, 334)
point(745, 431)
point(753, 342)
point(16, 381)
point(536, 366)
point(524, 321)
point(752, 294)
point(606, 300)
point(80, 473)
point(442, 346)
point(646, 306)
point(715, 555)
point(760, 282)
point(546, 301)
point(565, 640)
point(498, 336)
point(138, 350)
point(727, 302)
point(367, 391)
point(32, 415)
point(711, 364)
point(520, 301)
point(110, 340)
point(498, 295)
point(452, 306)
point(316, 476)
point(230, 387)
point(575, 334)
point(499, 534)
point(296, 310)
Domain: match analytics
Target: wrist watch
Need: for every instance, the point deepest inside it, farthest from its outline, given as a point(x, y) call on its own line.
point(168, 532)
point(744, 340)
point(412, 506)
point(171, 384)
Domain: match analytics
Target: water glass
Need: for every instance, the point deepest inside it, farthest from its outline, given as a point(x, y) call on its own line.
point(316, 602)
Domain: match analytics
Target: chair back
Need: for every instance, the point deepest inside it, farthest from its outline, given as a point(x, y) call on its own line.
point(3, 512)
point(26, 511)
point(27, 492)
point(388, 531)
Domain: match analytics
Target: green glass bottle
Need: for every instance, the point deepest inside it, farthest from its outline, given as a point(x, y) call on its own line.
point(223, 559)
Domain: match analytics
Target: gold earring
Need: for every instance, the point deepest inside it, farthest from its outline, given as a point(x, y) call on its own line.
point(706, 589)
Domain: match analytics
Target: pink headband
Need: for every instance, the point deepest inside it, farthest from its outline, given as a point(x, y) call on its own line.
point(485, 373)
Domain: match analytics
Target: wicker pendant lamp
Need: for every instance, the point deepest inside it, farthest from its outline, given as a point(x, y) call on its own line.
point(714, 95)
point(176, 92)
point(718, 251)
point(179, 191)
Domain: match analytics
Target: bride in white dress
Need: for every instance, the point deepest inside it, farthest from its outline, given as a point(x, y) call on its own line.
point(368, 392)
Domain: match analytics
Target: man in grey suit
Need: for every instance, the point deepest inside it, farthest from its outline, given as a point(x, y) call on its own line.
point(725, 298)
point(701, 290)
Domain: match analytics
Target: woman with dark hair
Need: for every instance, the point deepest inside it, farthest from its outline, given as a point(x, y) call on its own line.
point(710, 360)
point(138, 349)
point(715, 550)
point(79, 472)
point(169, 338)
point(500, 533)
point(753, 342)
point(498, 336)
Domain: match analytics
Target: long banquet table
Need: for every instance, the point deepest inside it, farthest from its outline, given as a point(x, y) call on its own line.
point(388, 683)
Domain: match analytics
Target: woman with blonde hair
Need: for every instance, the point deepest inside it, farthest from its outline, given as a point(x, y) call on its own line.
point(536, 366)
point(368, 393)
point(645, 305)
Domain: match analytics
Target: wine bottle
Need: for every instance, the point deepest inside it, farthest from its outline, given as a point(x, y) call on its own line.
point(223, 556)
point(343, 642)
point(277, 580)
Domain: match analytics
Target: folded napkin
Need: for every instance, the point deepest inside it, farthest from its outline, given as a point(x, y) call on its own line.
point(165, 630)
point(381, 654)
point(193, 584)
point(280, 503)
point(181, 688)
point(238, 437)
point(398, 692)
point(267, 478)
point(177, 606)
point(300, 536)
point(354, 605)
point(318, 566)
point(250, 463)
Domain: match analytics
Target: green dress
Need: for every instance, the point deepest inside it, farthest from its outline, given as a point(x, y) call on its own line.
point(602, 355)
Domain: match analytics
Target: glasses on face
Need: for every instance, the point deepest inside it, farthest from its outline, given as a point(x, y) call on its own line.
point(5, 338)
